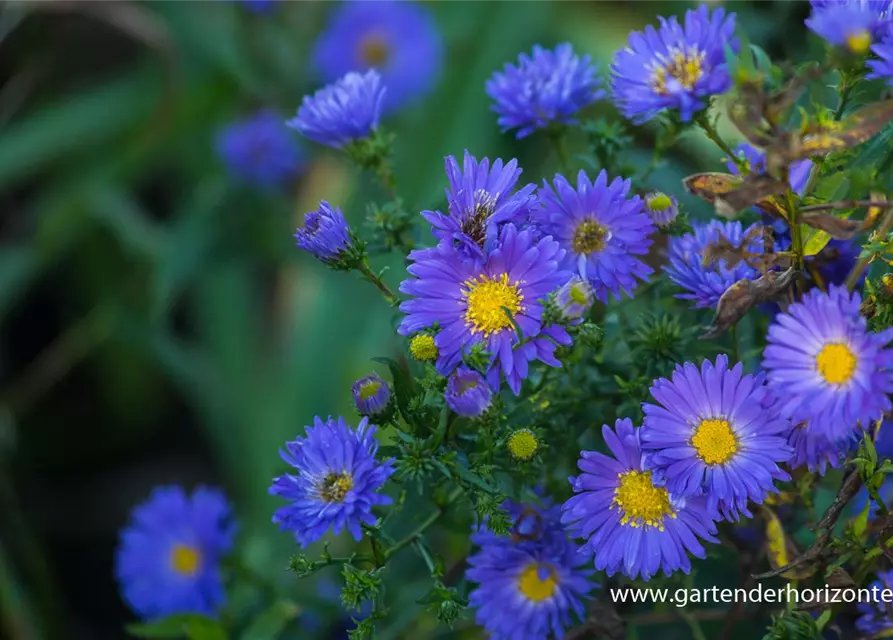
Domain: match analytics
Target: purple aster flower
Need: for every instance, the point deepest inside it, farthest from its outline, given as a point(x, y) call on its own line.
point(574, 298)
point(325, 233)
point(399, 39)
point(343, 112)
point(833, 264)
point(882, 68)
point(719, 431)
point(826, 366)
point(601, 229)
point(467, 297)
point(814, 449)
point(530, 584)
point(480, 199)
point(851, 24)
point(674, 67)
point(337, 482)
point(662, 208)
point(467, 393)
point(168, 556)
point(371, 395)
point(545, 89)
point(631, 523)
point(705, 283)
point(875, 618)
point(259, 149)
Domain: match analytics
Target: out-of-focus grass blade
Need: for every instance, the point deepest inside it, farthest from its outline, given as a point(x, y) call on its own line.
point(76, 123)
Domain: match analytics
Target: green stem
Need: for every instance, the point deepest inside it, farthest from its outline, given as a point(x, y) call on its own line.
point(372, 277)
point(796, 235)
point(423, 551)
point(713, 134)
point(559, 141)
point(418, 531)
point(696, 632)
point(733, 335)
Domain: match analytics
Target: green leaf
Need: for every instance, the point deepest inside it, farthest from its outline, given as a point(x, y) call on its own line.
point(816, 240)
point(861, 521)
point(189, 625)
point(271, 623)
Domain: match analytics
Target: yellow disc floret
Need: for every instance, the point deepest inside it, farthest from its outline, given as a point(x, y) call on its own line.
point(374, 51)
point(488, 299)
point(185, 559)
point(859, 42)
point(686, 68)
point(589, 237)
point(533, 586)
point(836, 363)
point(659, 202)
point(422, 347)
point(335, 486)
point(714, 441)
point(640, 502)
point(522, 444)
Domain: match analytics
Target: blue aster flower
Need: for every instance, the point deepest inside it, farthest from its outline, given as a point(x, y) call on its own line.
point(601, 229)
point(826, 366)
point(325, 234)
point(852, 24)
point(399, 39)
point(337, 482)
point(480, 200)
point(814, 449)
point(531, 584)
point(547, 88)
point(875, 616)
point(168, 556)
point(371, 395)
point(467, 297)
point(718, 431)
point(674, 67)
point(704, 283)
point(259, 149)
point(343, 112)
point(882, 68)
point(630, 522)
point(662, 208)
point(467, 393)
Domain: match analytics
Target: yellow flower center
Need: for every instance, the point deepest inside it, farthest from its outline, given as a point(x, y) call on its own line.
point(589, 237)
point(487, 301)
point(369, 389)
point(522, 444)
point(640, 501)
point(577, 294)
point(714, 441)
point(374, 51)
point(659, 202)
point(422, 347)
point(685, 68)
point(836, 363)
point(533, 587)
point(859, 42)
point(335, 486)
point(185, 559)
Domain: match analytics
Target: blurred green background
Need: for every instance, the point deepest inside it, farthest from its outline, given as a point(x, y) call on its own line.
point(158, 324)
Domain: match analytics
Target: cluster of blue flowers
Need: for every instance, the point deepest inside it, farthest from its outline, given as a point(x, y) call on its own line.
point(515, 267)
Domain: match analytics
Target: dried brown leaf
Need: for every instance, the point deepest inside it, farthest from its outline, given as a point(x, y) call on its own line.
point(742, 296)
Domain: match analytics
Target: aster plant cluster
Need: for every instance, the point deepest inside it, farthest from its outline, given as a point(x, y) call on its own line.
point(589, 443)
